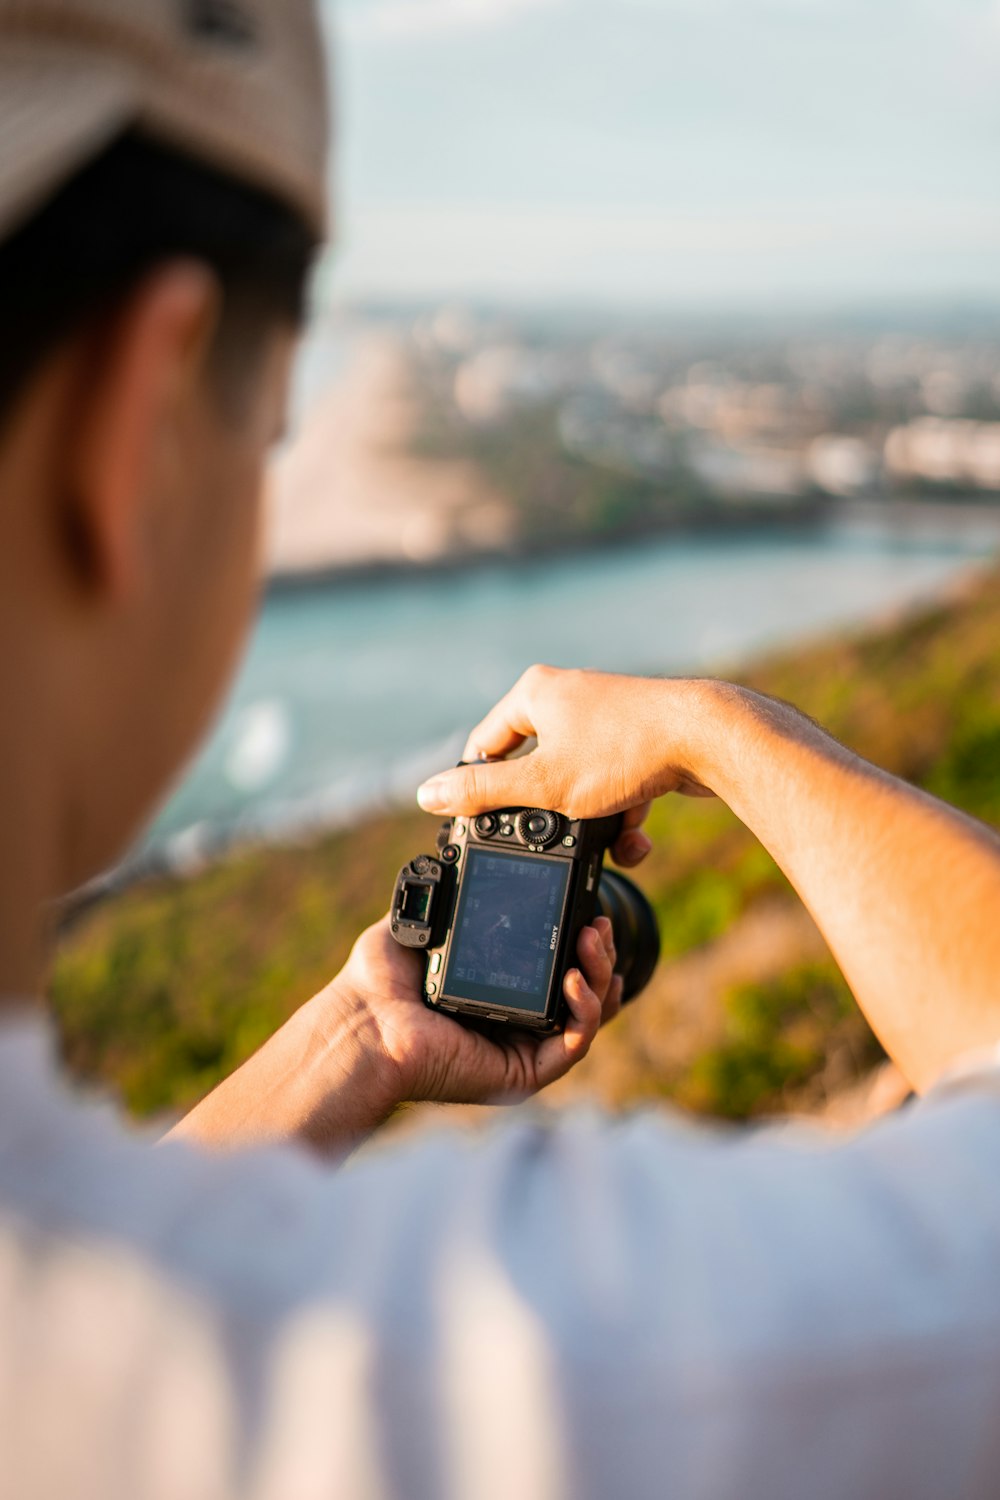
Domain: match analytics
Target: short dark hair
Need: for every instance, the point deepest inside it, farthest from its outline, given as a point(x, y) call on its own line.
point(137, 204)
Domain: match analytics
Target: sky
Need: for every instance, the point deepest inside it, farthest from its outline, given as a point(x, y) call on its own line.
point(715, 154)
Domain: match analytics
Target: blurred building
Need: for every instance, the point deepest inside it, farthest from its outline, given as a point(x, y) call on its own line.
point(496, 378)
point(947, 451)
point(842, 465)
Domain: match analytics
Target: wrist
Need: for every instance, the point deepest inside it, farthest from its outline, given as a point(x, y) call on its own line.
point(736, 740)
point(700, 722)
point(350, 1081)
point(322, 1079)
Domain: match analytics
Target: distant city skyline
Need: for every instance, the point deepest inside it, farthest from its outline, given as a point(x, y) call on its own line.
point(752, 154)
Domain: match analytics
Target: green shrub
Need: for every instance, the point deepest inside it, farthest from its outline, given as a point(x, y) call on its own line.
point(968, 773)
point(778, 1036)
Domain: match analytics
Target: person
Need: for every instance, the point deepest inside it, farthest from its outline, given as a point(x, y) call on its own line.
point(566, 1307)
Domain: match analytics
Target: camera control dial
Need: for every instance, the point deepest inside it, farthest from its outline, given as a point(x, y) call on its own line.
point(536, 827)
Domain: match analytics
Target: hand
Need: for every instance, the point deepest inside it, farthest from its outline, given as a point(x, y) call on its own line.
point(605, 744)
point(435, 1057)
point(366, 1043)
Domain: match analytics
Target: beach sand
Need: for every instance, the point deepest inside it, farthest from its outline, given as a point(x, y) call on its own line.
point(347, 492)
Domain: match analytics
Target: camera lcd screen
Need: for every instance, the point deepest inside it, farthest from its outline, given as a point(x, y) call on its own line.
point(506, 930)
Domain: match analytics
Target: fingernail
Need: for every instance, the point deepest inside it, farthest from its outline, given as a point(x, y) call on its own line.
point(431, 796)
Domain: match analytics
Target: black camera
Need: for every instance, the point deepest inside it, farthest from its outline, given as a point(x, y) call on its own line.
point(499, 909)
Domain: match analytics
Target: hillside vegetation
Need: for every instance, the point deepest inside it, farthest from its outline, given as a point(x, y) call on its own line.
point(162, 991)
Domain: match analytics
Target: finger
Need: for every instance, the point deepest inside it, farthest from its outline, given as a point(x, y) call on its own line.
point(613, 1003)
point(557, 1054)
point(606, 933)
point(694, 789)
point(602, 926)
point(486, 785)
point(584, 1013)
point(582, 1025)
point(630, 849)
point(634, 817)
point(375, 949)
point(507, 725)
point(612, 999)
point(632, 845)
point(592, 951)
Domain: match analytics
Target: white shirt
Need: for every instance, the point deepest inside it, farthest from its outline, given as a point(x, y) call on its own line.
point(576, 1308)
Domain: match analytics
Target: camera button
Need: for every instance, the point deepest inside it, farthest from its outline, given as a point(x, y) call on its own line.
point(485, 825)
point(536, 827)
point(506, 831)
point(569, 842)
point(450, 853)
point(435, 964)
point(459, 830)
point(431, 989)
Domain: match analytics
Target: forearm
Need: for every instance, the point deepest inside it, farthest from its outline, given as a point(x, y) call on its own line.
point(905, 889)
point(322, 1080)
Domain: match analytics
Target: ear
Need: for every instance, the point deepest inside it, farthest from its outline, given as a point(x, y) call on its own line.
point(139, 372)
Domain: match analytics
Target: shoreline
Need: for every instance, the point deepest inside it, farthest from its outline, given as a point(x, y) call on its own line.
point(352, 500)
point(907, 519)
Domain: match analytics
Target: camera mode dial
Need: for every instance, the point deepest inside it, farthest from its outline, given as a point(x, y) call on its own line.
point(536, 827)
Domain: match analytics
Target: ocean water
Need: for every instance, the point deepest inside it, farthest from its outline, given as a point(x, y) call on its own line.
point(351, 692)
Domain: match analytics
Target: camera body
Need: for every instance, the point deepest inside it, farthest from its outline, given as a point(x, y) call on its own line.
point(498, 911)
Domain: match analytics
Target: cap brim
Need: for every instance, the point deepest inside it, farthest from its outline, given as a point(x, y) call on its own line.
point(55, 117)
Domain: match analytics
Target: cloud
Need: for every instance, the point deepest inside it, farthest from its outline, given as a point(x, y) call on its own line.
point(387, 20)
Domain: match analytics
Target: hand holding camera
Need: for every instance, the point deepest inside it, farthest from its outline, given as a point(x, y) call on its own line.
point(421, 1054)
point(499, 912)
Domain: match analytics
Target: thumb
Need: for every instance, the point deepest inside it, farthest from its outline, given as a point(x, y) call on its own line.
point(487, 785)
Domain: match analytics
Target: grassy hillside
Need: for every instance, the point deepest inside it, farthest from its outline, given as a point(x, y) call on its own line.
point(164, 990)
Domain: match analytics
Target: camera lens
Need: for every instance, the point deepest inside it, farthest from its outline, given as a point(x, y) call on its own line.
point(534, 826)
point(636, 931)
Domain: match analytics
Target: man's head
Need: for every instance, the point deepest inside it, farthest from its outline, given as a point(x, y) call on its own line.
point(149, 300)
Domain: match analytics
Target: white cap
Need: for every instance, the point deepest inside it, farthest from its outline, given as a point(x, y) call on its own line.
point(240, 84)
